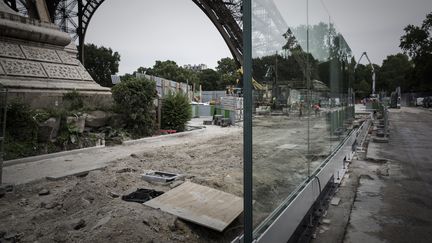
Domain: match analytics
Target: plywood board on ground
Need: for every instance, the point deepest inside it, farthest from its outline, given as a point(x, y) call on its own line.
point(200, 204)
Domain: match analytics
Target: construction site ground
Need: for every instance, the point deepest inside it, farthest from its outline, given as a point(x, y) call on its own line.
point(86, 207)
point(387, 198)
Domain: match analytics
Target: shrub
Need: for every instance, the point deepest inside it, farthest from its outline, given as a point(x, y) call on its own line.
point(176, 111)
point(21, 131)
point(73, 100)
point(134, 98)
point(20, 123)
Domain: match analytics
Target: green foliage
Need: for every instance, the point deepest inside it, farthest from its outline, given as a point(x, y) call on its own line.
point(209, 79)
point(101, 63)
point(73, 100)
point(227, 69)
point(21, 131)
point(417, 43)
point(176, 111)
point(292, 68)
point(395, 71)
point(170, 70)
point(362, 88)
point(225, 74)
point(20, 123)
point(134, 98)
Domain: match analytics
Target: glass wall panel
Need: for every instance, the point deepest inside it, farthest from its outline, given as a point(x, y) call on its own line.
point(301, 99)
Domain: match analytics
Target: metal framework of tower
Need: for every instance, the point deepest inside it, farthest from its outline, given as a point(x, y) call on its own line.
point(74, 16)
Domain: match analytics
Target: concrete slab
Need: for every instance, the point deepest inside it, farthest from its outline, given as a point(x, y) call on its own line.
point(335, 201)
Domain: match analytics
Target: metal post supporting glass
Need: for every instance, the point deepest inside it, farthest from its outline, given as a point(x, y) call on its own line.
point(247, 126)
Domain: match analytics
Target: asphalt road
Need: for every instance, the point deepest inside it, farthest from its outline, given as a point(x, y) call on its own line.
point(398, 207)
point(409, 196)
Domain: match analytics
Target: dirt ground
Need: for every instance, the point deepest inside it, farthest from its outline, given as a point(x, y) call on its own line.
point(282, 159)
point(88, 209)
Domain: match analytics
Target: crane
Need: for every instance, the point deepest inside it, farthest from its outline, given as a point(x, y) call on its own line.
point(373, 71)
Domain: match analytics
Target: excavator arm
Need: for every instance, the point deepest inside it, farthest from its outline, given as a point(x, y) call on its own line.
point(364, 54)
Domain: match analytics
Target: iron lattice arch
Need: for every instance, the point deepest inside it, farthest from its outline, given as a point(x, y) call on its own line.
point(74, 16)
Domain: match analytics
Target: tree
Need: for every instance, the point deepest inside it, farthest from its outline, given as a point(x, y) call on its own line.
point(394, 72)
point(227, 69)
point(101, 63)
point(170, 70)
point(363, 80)
point(134, 98)
point(209, 79)
point(166, 69)
point(417, 43)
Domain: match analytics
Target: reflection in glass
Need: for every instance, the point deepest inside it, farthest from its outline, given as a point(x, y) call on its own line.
point(303, 106)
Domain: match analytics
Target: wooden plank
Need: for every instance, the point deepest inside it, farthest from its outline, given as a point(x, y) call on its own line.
point(200, 204)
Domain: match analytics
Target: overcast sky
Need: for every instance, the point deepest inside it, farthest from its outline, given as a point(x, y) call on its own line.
point(144, 31)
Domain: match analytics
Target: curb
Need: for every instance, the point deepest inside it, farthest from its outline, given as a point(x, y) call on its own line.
point(76, 151)
point(150, 139)
point(48, 156)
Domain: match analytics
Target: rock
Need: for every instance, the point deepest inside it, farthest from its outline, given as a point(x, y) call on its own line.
point(44, 192)
point(102, 221)
point(113, 194)
point(326, 221)
point(23, 202)
point(2, 192)
point(7, 187)
point(123, 170)
point(97, 119)
point(175, 184)
point(50, 205)
point(335, 201)
point(383, 171)
point(80, 224)
point(217, 184)
point(146, 222)
point(172, 226)
point(155, 228)
point(134, 156)
point(78, 122)
point(178, 238)
point(48, 130)
point(11, 236)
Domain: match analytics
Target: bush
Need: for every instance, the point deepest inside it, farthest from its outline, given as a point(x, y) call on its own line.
point(176, 111)
point(73, 100)
point(134, 98)
point(20, 123)
point(21, 131)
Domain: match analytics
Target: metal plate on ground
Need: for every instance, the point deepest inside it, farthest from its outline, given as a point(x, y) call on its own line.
point(159, 176)
point(200, 204)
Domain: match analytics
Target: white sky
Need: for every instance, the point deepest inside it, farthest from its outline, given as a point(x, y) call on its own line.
point(144, 31)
